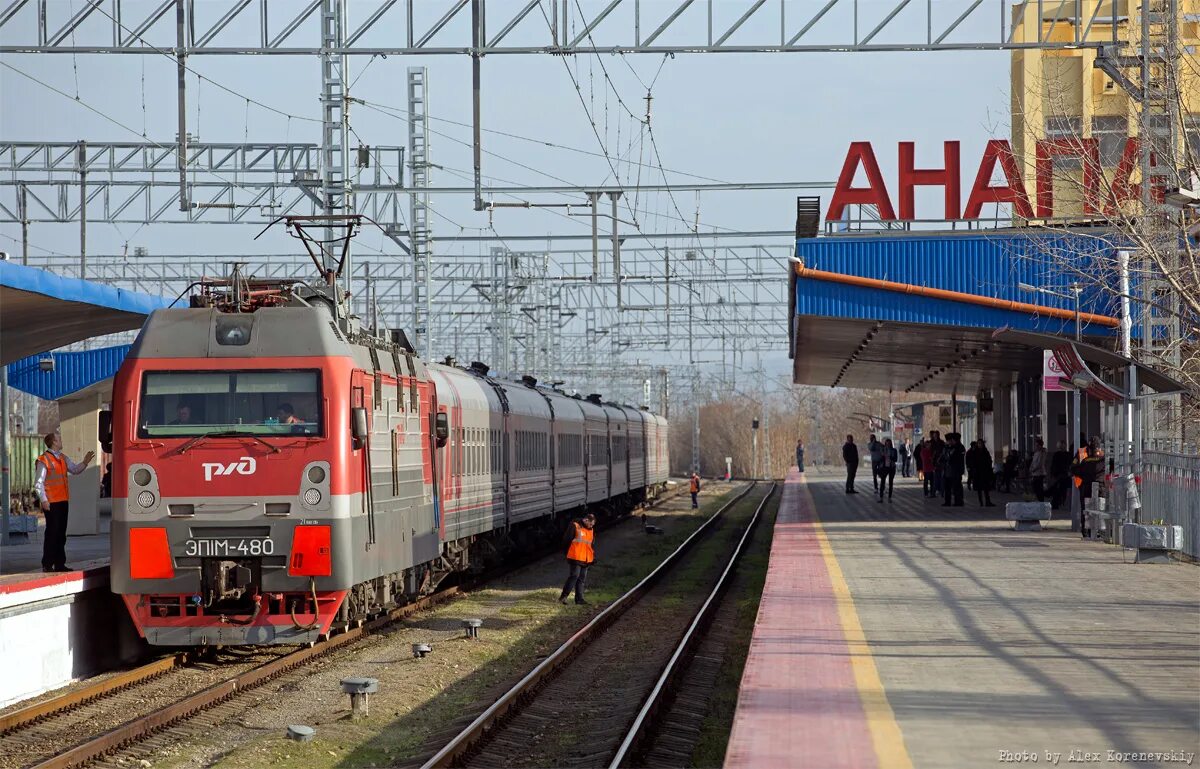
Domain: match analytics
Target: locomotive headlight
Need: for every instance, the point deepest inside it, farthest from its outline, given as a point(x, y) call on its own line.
point(312, 497)
point(142, 477)
point(316, 474)
point(146, 499)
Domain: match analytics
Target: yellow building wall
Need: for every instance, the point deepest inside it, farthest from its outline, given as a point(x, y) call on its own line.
point(1066, 84)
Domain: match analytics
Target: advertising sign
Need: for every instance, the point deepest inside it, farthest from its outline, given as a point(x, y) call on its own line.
point(1052, 373)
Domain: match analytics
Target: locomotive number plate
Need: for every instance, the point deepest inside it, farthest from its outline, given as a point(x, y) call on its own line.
point(229, 546)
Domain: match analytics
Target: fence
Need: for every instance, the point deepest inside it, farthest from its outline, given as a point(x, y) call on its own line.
point(1171, 491)
point(23, 453)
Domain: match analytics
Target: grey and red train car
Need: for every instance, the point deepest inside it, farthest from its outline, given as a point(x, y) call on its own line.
point(278, 473)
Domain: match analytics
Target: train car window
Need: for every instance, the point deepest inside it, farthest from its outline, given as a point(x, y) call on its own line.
point(194, 403)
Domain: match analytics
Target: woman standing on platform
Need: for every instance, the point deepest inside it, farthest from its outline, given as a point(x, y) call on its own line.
point(981, 473)
point(886, 468)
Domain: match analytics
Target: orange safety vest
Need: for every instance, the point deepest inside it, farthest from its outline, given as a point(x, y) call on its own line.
point(581, 545)
point(695, 487)
point(57, 485)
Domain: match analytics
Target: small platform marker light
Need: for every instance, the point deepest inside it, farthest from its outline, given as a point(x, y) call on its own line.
point(420, 650)
point(472, 627)
point(360, 691)
point(300, 733)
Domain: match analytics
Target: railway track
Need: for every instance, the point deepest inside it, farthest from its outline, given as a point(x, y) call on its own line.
point(42, 736)
point(580, 706)
point(33, 735)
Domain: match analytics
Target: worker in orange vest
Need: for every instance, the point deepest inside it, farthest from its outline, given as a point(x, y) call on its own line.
point(53, 491)
point(694, 487)
point(580, 555)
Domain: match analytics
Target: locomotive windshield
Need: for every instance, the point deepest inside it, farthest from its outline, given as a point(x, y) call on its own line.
point(192, 403)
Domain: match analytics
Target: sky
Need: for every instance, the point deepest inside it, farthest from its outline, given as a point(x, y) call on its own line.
point(733, 117)
point(729, 117)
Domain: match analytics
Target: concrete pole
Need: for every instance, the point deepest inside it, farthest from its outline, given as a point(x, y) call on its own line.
point(1127, 351)
point(594, 202)
point(5, 472)
point(1076, 501)
point(476, 59)
point(24, 225)
point(181, 73)
point(82, 210)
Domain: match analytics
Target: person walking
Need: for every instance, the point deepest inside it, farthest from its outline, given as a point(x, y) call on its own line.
point(955, 464)
point(875, 449)
point(1060, 475)
point(694, 488)
point(979, 465)
point(850, 457)
point(800, 456)
point(887, 468)
point(52, 486)
point(1038, 469)
point(581, 554)
point(904, 450)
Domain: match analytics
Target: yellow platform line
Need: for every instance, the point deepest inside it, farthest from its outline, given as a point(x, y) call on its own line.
point(886, 738)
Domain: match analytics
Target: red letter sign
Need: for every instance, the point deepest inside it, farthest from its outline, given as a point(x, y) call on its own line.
point(1088, 150)
point(947, 177)
point(1013, 192)
point(876, 194)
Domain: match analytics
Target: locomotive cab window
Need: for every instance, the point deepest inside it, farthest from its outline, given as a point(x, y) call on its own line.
point(195, 403)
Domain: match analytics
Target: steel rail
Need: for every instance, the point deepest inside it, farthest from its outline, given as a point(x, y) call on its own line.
point(466, 741)
point(70, 700)
point(131, 731)
point(659, 696)
point(134, 730)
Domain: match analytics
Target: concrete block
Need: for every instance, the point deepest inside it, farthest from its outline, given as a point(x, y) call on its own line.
point(1150, 537)
point(1027, 511)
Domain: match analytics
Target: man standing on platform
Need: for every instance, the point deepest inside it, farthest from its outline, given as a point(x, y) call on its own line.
point(53, 491)
point(955, 464)
point(850, 457)
point(580, 555)
point(800, 456)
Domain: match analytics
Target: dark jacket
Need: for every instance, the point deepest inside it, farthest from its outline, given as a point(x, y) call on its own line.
point(1060, 463)
point(979, 463)
point(850, 453)
point(1088, 471)
point(956, 462)
point(881, 465)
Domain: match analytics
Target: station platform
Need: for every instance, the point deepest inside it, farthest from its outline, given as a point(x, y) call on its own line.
point(21, 559)
point(58, 627)
point(912, 635)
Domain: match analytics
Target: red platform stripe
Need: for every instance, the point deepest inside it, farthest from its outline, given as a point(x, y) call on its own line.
point(799, 704)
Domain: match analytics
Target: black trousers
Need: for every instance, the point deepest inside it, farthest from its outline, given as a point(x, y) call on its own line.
point(54, 548)
point(952, 493)
point(1038, 482)
point(887, 477)
point(851, 471)
point(576, 580)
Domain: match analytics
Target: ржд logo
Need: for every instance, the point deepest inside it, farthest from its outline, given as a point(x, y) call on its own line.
point(243, 466)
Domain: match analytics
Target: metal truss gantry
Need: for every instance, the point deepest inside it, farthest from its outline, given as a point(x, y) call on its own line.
point(536, 26)
point(544, 313)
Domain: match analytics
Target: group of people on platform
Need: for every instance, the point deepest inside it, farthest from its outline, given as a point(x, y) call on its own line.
point(941, 462)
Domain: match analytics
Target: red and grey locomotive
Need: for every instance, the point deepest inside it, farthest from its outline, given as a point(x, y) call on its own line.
point(278, 471)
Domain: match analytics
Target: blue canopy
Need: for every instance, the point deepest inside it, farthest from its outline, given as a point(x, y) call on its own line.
point(41, 311)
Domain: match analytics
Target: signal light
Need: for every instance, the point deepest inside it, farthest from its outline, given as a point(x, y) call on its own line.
point(150, 554)
point(312, 553)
